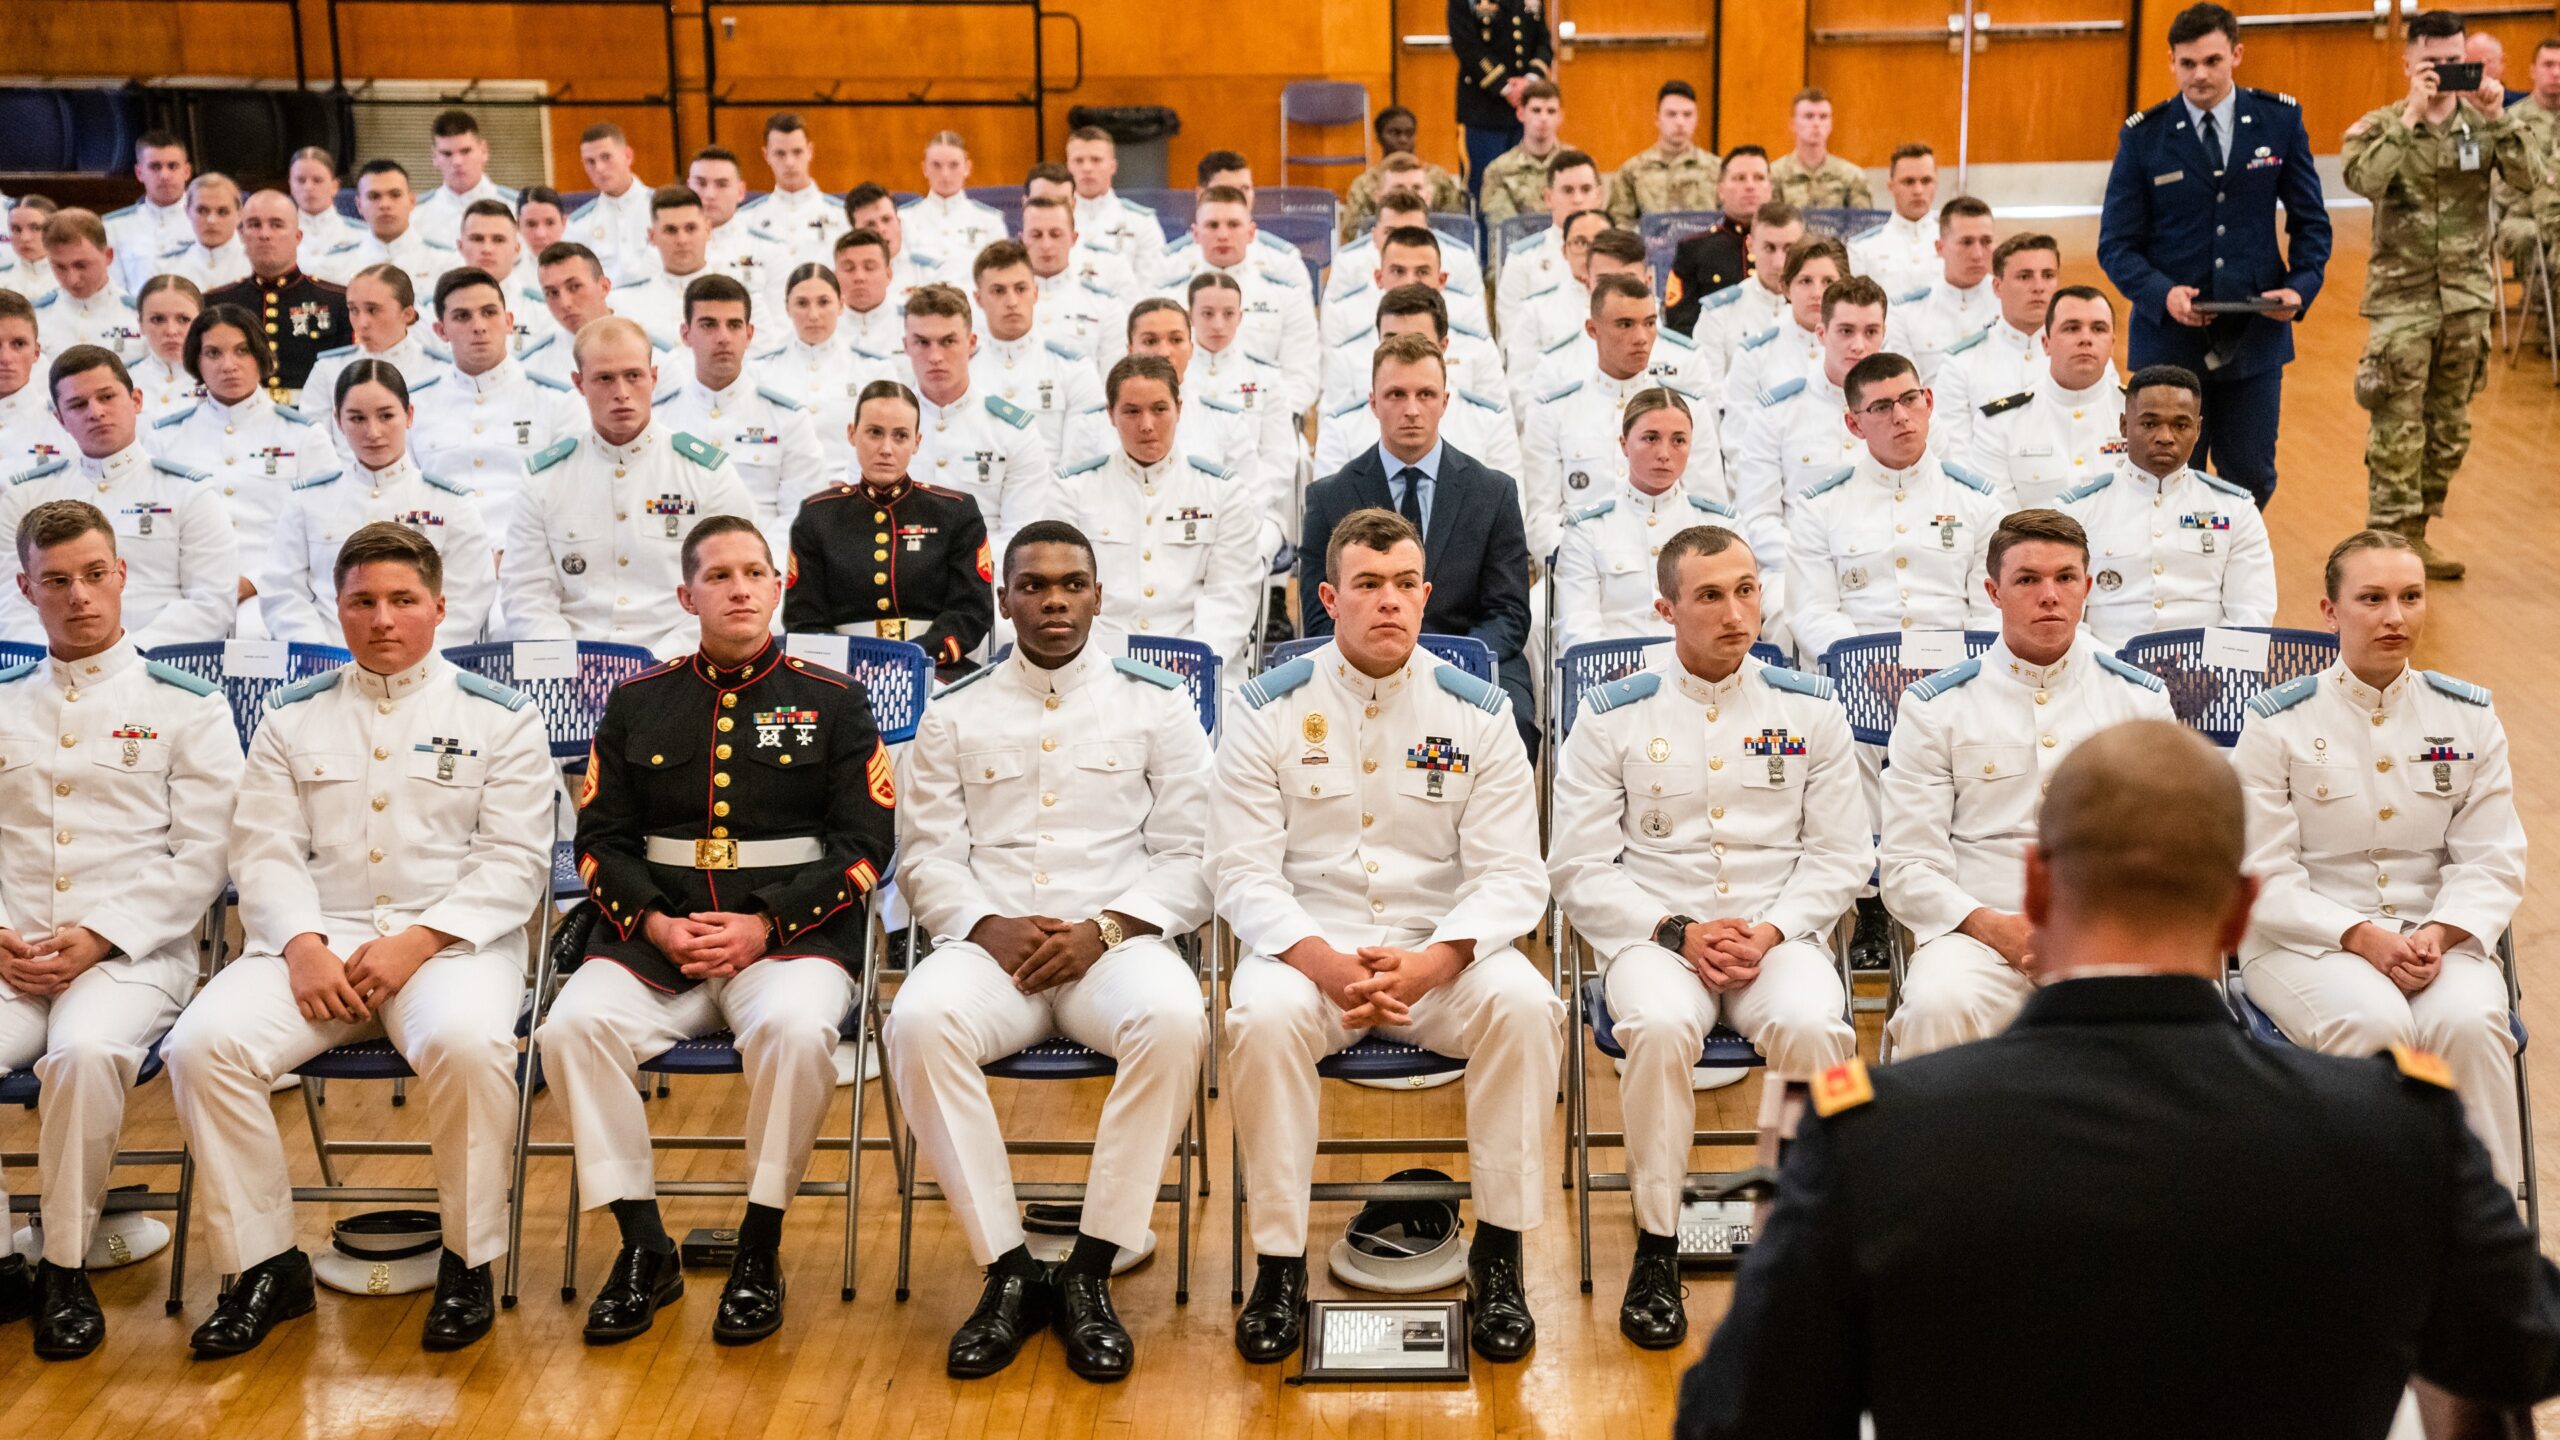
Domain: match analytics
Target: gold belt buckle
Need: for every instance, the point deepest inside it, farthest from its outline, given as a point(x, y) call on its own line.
point(715, 854)
point(889, 629)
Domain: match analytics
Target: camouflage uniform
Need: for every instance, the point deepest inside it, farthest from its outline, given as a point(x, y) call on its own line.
point(1835, 184)
point(2519, 214)
point(2428, 293)
point(1515, 184)
point(1441, 191)
point(1652, 182)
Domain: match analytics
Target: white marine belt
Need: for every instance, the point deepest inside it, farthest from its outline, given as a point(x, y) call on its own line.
point(734, 854)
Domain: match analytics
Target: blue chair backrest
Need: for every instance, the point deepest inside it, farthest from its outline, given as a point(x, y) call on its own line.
point(1312, 234)
point(1664, 230)
point(1464, 651)
point(1324, 102)
point(572, 706)
point(1871, 676)
point(897, 675)
point(1454, 225)
point(1510, 232)
point(2213, 700)
point(1196, 663)
point(1275, 200)
point(248, 696)
point(570, 200)
point(15, 652)
point(1597, 662)
point(1843, 224)
point(1004, 198)
point(1172, 208)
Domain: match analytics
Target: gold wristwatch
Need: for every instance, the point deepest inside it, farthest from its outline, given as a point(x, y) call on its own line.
point(1112, 934)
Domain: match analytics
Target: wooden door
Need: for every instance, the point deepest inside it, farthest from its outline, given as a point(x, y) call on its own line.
point(2048, 77)
point(1611, 56)
point(2338, 61)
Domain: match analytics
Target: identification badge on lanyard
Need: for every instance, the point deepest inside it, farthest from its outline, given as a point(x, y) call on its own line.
point(2466, 152)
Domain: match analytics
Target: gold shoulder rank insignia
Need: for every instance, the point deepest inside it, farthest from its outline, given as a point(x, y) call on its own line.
point(2423, 1066)
point(589, 782)
point(884, 786)
point(1845, 1086)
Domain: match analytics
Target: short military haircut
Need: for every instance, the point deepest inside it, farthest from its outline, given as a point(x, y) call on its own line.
point(1407, 350)
point(717, 154)
point(1541, 89)
point(2076, 292)
point(864, 196)
point(1809, 249)
point(1153, 305)
point(1874, 370)
point(1853, 290)
point(14, 306)
point(1569, 159)
point(2164, 377)
point(235, 317)
point(861, 235)
point(389, 542)
point(2547, 42)
point(1211, 280)
point(1909, 150)
point(711, 527)
point(1964, 207)
point(451, 123)
point(2144, 822)
point(561, 252)
point(157, 140)
point(937, 300)
point(603, 131)
point(784, 122)
point(2434, 25)
point(1417, 299)
point(672, 197)
point(59, 522)
point(1222, 195)
point(1810, 95)
point(886, 390)
point(80, 360)
point(2334, 572)
point(1405, 201)
point(1624, 246)
point(1412, 237)
point(1065, 207)
point(999, 255)
point(1371, 529)
point(1646, 401)
point(404, 291)
point(2021, 527)
point(2019, 244)
point(1092, 133)
point(1049, 170)
point(1681, 88)
point(1605, 288)
point(1404, 162)
point(1046, 532)
point(381, 165)
point(1219, 162)
point(1738, 151)
point(1696, 540)
point(714, 289)
point(72, 225)
point(1378, 123)
point(463, 277)
point(604, 328)
point(490, 206)
point(1140, 367)
point(2197, 21)
point(1776, 215)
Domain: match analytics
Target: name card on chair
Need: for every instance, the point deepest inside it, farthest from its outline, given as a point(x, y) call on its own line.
point(1932, 649)
point(254, 659)
point(827, 650)
point(546, 660)
point(2235, 650)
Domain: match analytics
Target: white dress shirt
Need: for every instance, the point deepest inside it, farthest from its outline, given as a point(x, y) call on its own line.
point(2046, 439)
point(481, 432)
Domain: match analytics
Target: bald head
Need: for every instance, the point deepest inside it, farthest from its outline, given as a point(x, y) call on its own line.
point(2142, 831)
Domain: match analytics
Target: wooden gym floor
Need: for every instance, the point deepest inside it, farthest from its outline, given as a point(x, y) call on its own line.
point(873, 1368)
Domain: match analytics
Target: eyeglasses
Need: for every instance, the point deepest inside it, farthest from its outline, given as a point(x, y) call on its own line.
point(1907, 400)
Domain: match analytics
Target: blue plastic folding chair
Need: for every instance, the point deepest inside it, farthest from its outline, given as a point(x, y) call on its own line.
point(1844, 225)
point(14, 652)
point(1664, 230)
point(572, 707)
point(25, 1088)
point(1515, 229)
point(1323, 104)
point(1464, 651)
point(248, 694)
point(2214, 700)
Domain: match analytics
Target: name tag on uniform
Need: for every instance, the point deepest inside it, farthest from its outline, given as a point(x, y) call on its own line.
point(2172, 178)
point(2466, 153)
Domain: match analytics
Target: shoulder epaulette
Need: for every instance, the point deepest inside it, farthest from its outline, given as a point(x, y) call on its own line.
point(475, 683)
point(1781, 392)
point(1458, 327)
point(1779, 677)
point(663, 667)
point(427, 384)
point(2007, 403)
point(1224, 407)
point(1097, 287)
point(174, 251)
point(1969, 341)
point(1914, 298)
point(1364, 332)
point(54, 466)
point(446, 486)
point(1543, 291)
point(752, 204)
point(183, 472)
point(343, 246)
point(1063, 352)
point(1591, 512)
point(1081, 466)
point(1624, 691)
point(19, 671)
point(334, 354)
point(296, 417)
point(2131, 671)
point(660, 343)
point(316, 481)
point(1567, 339)
point(434, 244)
point(1349, 407)
point(2216, 482)
point(1008, 412)
point(1141, 670)
point(1553, 396)
point(1482, 694)
point(1754, 342)
point(2078, 493)
point(963, 683)
point(550, 455)
point(1277, 681)
point(776, 397)
point(700, 451)
point(1210, 468)
point(1721, 298)
point(1833, 481)
point(1485, 402)
point(1844, 1086)
point(546, 381)
point(179, 417)
point(49, 297)
point(2276, 700)
point(667, 397)
point(2424, 1066)
point(2462, 690)
point(301, 690)
point(1965, 477)
point(1938, 683)
point(114, 215)
point(172, 675)
point(2275, 95)
point(1717, 508)
point(583, 211)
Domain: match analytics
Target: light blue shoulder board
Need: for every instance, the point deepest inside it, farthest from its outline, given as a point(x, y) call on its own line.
point(1081, 466)
point(1277, 681)
point(183, 472)
point(172, 675)
point(54, 466)
point(1626, 691)
point(301, 690)
point(176, 417)
point(316, 481)
point(2462, 690)
point(547, 382)
point(1968, 342)
point(2078, 493)
point(552, 454)
point(1721, 298)
point(1754, 342)
point(1064, 352)
point(2277, 700)
point(2216, 482)
point(1834, 481)
point(1914, 298)
point(1964, 477)
point(1779, 677)
point(776, 397)
point(2131, 671)
point(1225, 406)
point(1349, 407)
point(1553, 396)
point(19, 671)
point(1717, 508)
point(1781, 392)
point(1932, 686)
point(698, 450)
point(1210, 468)
point(446, 486)
point(1591, 512)
point(1485, 402)
point(295, 417)
point(1482, 694)
point(475, 683)
point(1141, 670)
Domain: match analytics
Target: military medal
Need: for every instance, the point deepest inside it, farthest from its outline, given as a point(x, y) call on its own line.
point(2443, 773)
point(1579, 480)
point(2441, 755)
point(133, 736)
point(1775, 745)
point(2109, 580)
point(1946, 531)
point(674, 508)
point(1048, 393)
point(573, 563)
point(1440, 757)
point(446, 751)
point(986, 467)
point(1657, 750)
point(524, 432)
point(1312, 728)
point(1657, 824)
point(1854, 578)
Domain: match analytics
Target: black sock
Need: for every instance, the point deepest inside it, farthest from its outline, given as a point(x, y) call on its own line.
point(1648, 1243)
point(642, 1226)
point(1091, 1258)
point(1016, 1261)
point(762, 1229)
point(1277, 1262)
point(1493, 1242)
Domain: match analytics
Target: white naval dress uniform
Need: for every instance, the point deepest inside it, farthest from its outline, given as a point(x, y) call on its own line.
point(1477, 425)
point(372, 803)
point(596, 551)
point(1528, 268)
point(30, 435)
point(1547, 320)
point(1605, 586)
point(1065, 793)
point(1872, 549)
point(321, 234)
point(1473, 362)
point(2047, 439)
point(768, 437)
point(807, 223)
point(987, 448)
point(166, 389)
point(482, 431)
point(654, 300)
point(1973, 748)
point(1355, 267)
point(1051, 379)
point(559, 361)
point(1123, 226)
point(2172, 553)
point(438, 215)
point(422, 259)
point(1571, 453)
point(535, 327)
point(1346, 314)
point(140, 234)
point(615, 227)
point(173, 532)
point(1177, 545)
point(1083, 311)
point(1279, 316)
point(1763, 362)
point(1643, 785)
point(910, 271)
point(1793, 437)
point(1675, 361)
point(119, 826)
point(1926, 321)
point(1729, 315)
point(1900, 254)
point(107, 318)
point(879, 334)
point(415, 361)
point(2395, 808)
point(754, 257)
point(1994, 361)
point(1252, 384)
point(827, 380)
point(952, 226)
point(296, 575)
point(1451, 856)
point(253, 452)
point(206, 268)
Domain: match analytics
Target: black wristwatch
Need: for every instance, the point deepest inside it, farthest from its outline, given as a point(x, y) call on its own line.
point(1673, 933)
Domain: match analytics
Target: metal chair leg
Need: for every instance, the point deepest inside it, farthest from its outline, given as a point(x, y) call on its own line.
point(1235, 1217)
point(1217, 1012)
point(1579, 1068)
point(569, 1254)
point(1182, 1216)
point(515, 1192)
point(311, 1103)
point(178, 1242)
point(906, 1141)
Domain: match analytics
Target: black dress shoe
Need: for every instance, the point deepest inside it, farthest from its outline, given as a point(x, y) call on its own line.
point(1499, 1325)
point(1652, 1315)
point(264, 1296)
point(641, 1282)
point(1275, 1315)
point(751, 1303)
point(462, 1311)
point(1010, 1311)
point(1871, 944)
point(17, 1292)
point(69, 1323)
point(1089, 1330)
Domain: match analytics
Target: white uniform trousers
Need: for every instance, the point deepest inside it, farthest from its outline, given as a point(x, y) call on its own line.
point(86, 1045)
point(1791, 1013)
point(1139, 1004)
point(785, 1013)
point(1499, 1015)
point(1956, 989)
point(454, 1022)
point(2339, 1004)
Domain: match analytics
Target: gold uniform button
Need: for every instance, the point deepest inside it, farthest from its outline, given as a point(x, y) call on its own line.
point(2383, 765)
point(882, 602)
point(728, 702)
point(1715, 762)
point(1372, 866)
point(1377, 907)
point(879, 577)
point(782, 760)
point(61, 882)
point(1041, 878)
point(879, 554)
point(1049, 702)
point(1368, 767)
point(1901, 562)
point(381, 800)
point(1369, 712)
point(62, 837)
point(1717, 813)
point(719, 807)
point(2388, 812)
point(374, 856)
point(720, 778)
point(2048, 742)
point(381, 899)
point(62, 789)
point(1989, 768)
point(727, 724)
point(657, 759)
point(382, 707)
point(1047, 742)
point(1724, 887)
point(381, 752)
point(2321, 792)
point(719, 832)
point(1150, 592)
point(70, 740)
point(2390, 909)
point(1366, 819)
point(721, 752)
point(1048, 797)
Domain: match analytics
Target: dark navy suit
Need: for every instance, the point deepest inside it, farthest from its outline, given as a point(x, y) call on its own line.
point(2172, 220)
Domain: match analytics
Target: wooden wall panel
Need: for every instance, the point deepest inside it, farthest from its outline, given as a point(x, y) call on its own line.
point(1759, 64)
point(2033, 100)
point(1426, 82)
